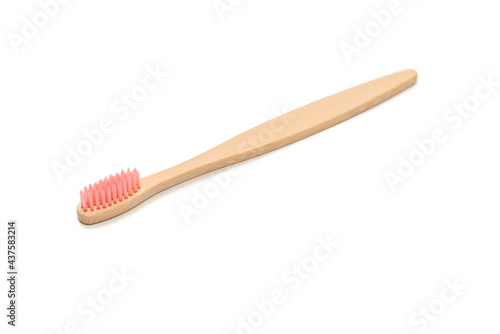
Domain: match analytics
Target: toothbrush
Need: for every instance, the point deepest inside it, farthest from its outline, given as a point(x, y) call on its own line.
point(121, 192)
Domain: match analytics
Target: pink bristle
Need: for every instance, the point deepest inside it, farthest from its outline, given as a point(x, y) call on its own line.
point(110, 190)
point(110, 185)
point(134, 183)
point(82, 199)
point(138, 179)
point(103, 187)
point(124, 184)
point(113, 193)
point(108, 193)
point(90, 198)
point(103, 193)
point(129, 183)
point(96, 196)
point(103, 198)
point(85, 196)
point(134, 180)
point(119, 188)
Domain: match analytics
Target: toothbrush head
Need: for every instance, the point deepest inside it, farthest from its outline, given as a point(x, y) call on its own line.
point(108, 192)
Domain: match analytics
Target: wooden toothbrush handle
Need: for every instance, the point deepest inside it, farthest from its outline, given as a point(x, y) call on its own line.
point(286, 129)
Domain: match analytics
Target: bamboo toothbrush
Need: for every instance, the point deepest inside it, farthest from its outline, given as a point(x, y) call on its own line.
point(119, 193)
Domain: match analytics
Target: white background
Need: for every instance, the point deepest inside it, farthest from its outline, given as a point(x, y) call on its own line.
point(397, 248)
